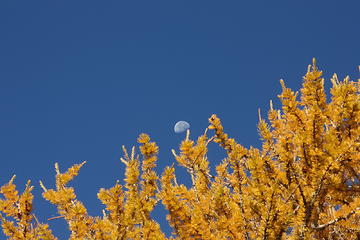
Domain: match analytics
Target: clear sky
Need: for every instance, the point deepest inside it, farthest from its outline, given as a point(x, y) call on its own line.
point(78, 79)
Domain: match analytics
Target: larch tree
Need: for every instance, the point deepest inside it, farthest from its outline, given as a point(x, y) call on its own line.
point(303, 183)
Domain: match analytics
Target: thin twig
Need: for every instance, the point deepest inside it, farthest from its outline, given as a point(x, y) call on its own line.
point(55, 218)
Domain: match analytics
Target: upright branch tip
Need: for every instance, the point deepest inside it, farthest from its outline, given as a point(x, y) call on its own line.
point(57, 168)
point(314, 64)
point(43, 186)
point(174, 153)
point(187, 134)
point(259, 113)
point(282, 84)
point(125, 152)
point(12, 179)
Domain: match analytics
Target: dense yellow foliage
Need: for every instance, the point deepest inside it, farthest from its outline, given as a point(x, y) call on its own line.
point(303, 183)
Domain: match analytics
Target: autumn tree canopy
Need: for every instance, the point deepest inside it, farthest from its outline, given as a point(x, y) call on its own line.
point(303, 183)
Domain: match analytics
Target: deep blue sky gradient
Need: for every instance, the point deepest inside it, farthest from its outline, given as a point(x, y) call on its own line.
point(78, 79)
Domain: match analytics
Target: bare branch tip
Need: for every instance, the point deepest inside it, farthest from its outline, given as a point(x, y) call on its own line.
point(57, 168)
point(187, 134)
point(174, 153)
point(125, 151)
point(314, 62)
point(259, 113)
point(206, 130)
point(282, 83)
point(12, 179)
point(124, 161)
point(133, 152)
point(42, 186)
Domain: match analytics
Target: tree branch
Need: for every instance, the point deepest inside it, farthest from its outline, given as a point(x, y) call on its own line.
point(322, 226)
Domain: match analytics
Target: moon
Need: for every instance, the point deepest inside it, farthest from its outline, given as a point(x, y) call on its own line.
point(181, 126)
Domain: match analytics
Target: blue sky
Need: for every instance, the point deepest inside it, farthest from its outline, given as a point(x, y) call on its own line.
point(78, 79)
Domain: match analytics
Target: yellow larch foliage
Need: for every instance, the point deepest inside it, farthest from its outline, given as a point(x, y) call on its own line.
point(71, 209)
point(17, 224)
point(302, 183)
point(128, 212)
